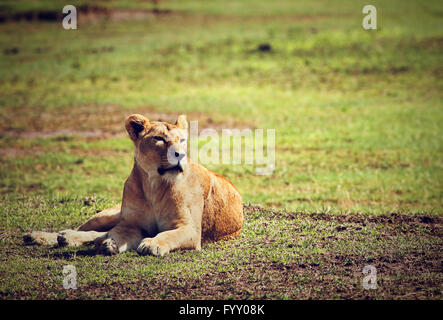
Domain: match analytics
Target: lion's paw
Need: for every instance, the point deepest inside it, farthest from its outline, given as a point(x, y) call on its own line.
point(153, 247)
point(107, 247)
point(68, 238)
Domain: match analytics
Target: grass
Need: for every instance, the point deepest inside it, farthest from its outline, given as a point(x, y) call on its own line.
point(279, 255)
point(357, 114)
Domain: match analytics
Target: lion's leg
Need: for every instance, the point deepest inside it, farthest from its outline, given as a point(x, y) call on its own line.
point(92, 230)
point(121, 238)
point(184, 237)
point(74, 238)
point(102, 221)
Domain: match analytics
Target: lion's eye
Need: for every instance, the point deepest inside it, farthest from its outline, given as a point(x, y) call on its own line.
point(158, 138)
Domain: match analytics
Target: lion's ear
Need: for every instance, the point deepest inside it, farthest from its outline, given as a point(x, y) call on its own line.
point(182, 123)
point(135, 124)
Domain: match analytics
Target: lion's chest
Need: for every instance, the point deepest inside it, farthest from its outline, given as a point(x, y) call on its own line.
point(160, 215)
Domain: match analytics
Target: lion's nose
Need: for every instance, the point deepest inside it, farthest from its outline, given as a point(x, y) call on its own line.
point(179, 155)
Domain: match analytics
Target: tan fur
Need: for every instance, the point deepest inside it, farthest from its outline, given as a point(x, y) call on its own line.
point(161, 212)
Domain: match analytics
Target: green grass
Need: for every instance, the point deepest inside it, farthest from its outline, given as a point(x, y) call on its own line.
point(357, 114)
point(278, 256)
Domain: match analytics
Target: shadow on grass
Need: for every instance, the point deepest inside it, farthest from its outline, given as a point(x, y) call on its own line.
point(73, 254)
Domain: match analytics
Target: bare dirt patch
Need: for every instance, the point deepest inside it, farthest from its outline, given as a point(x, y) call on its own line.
point(90, 121)
point(86, 13)
point(357, 217)
point(92, 13)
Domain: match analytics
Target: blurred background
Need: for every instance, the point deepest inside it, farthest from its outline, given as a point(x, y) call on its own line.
point(357, 113)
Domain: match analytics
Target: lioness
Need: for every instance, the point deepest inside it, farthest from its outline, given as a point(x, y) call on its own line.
point(169, 201)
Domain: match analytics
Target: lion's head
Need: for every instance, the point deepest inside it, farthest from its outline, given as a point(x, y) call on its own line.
point(160, 146)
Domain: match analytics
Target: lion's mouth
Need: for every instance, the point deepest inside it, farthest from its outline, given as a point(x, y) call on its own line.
point(177, 167)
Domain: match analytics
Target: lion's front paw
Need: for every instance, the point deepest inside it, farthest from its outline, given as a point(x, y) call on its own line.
point(152, 246)
point(107, 247)
point(68, 238)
